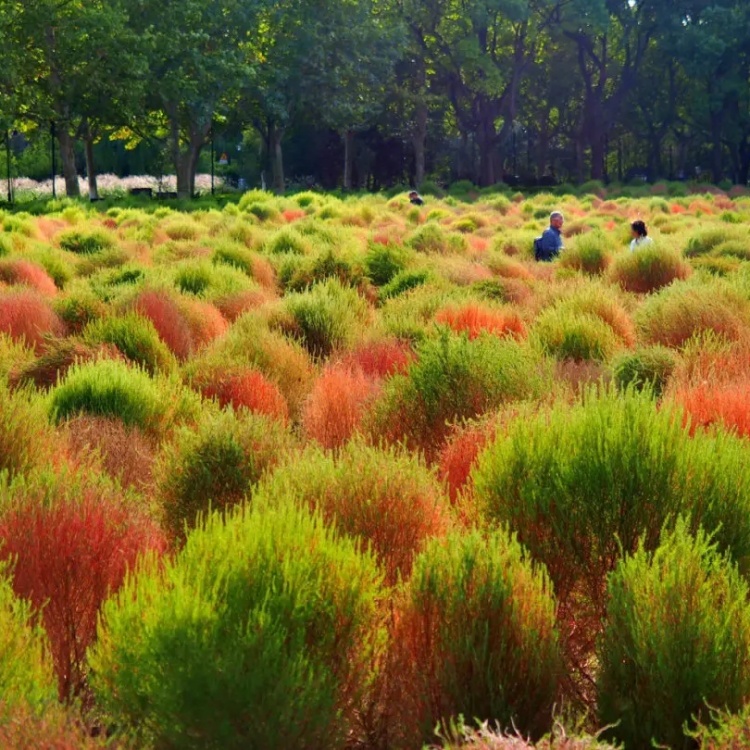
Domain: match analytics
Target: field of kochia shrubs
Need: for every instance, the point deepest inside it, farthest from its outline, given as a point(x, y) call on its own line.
point(322, 472)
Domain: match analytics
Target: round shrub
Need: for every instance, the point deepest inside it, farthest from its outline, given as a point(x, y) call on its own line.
point(243, 388)
point(590, 253)
point(85, 243)
point(581, 485)
point(25, 438)
point(195, 278)
point(134, 336)
point(475, 318)
point(165, 314)
point(566, 334)
point(69, 553)
point(676, 641)
point(475, 636)
point(452, 379)
point(79, 308)
point(26, 316)
point(383, 262)
point(26, 676)
point(19, 271)
point(386, 499)
point(648, 269)
point(327, 317)
point(708, 239)
point(216, 465)
point(287, 241)
point(403, 282)
point(258, 634)
point(675, 315)
point(334, 410)
point(429, 238)
point(109, 388)
point(650, 367)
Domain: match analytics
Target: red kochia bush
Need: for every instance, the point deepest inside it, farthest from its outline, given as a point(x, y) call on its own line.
point(18, 271)
point(234, 305)
point(726, 403)
point(460, 452)
point(474, 319)
point(380, 359)
point(204, 322)
point(26, 315)
point(69, 555)
point(165, 314)
point(338, 402)
point(246, 388)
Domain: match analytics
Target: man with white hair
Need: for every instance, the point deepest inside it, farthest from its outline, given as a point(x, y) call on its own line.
point(548, 246)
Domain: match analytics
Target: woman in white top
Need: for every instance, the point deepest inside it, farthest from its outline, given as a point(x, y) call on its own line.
point(640, 235)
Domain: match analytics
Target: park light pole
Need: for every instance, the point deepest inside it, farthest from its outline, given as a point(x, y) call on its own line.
point(52, 142)
point(7, 155)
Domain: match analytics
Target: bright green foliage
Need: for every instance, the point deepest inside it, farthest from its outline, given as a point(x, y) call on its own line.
point(402, 282)
point(326, 317)
point(85, 243)
point(26, 673)
point(591, 254)
point(257, 634)
point(480, 619)
point(216, 465)
point(22, 427)
point(135, 337)
point(648, 269)
point(676, 314)
point(454, 379)
point(288, 241)
point(676, 641)
point(429, 239)
point(109, 388)
point(570, 335)
point(582, 484)
point(383, 262)
point(649, 367)
point(385, 498)
point(723, 730)
point(704, 242)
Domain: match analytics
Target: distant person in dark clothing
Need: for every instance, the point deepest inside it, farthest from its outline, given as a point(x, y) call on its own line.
point(548, 246)
point(415, 199)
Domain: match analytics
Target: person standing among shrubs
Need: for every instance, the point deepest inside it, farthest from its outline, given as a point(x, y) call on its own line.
point(640, 235)
point(548, 246)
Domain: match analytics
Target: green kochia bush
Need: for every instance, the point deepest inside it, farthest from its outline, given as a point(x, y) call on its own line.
point(478, 633)
point(135, 337)
point(216, 465)
point(26, 675)
point(650, 367)
point(85, 243)
point(567, 334)
point(326, 317)
point(108, 388)
point(382, 263)
point(453, 379)
point(582, 484)
point(258, 634)
point(676, 642)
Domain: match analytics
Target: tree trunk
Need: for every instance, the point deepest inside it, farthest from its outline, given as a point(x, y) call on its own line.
point(580, 158)
point(348, 158)
point(597, 154)
point(68, 159)
point(716, 154)
point(90, 166)
point(187, 162)
point(418, 140)
point(277, 158)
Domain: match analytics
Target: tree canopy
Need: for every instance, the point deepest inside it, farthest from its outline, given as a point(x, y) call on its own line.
point(364, 93)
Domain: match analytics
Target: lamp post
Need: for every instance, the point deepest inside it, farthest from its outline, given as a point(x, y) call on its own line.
point(7, 154)
point(54, 166)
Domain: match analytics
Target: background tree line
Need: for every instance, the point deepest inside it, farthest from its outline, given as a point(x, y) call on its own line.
point(367, 93)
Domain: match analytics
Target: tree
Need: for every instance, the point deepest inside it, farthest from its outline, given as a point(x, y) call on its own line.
point(73, 66)
point(197, 52)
